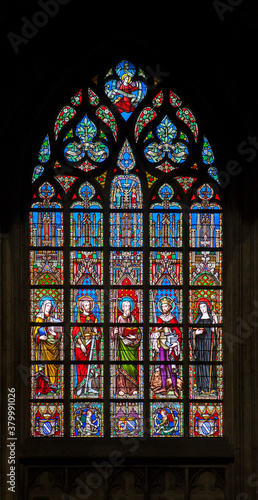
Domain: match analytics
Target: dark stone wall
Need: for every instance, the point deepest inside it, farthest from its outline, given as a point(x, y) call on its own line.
point(208, 51)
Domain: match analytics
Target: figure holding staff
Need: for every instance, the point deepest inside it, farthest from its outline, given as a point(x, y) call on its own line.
point(204, 346)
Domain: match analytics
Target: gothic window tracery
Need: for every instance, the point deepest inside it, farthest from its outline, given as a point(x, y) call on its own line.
point(126, 267)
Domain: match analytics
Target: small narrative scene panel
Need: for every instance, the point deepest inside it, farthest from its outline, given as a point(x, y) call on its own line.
point(86, 228)
point(47, 419)
point(166, 419)
point(87, 305)
point(47, 305)
point(126, 419)
point(126, 306)
point(205, 307)
point(87, 342)
point(126, 229)
point(87, 419)
point(47, 342)
point(166, 381)
point(47, 381)
point(126, 192)
point(165, 229)
point(205, 343)
point(87, 381)
point(205, 229)
point(205, 268)
point(166, 306)
point(46, 267)
point(205, 381)
point(86, 268)
point(206, 420)
point(126, 343)
point(126, 267)
point(126, 379)
point(46, 228)
point(166, 268)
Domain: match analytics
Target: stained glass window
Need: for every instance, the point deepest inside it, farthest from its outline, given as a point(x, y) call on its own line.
point(126, 267)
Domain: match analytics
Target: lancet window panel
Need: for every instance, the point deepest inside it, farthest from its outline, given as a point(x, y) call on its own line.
point(126, 267)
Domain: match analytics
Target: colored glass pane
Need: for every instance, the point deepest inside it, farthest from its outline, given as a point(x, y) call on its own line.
point(47, 419)
point(64, 116)
point(167, 147)
point(126, 419)
point(89, 300)
point(83, 332)
point(76, 100)
point(127, 265)
point(104, 114)
point(86, 267)
point(128, 299)
point(205, 267)
point(47, 381)
point(126, 229)
point(37, 172)
point(185, 182)
point(44, 152)
point(147, 115)
point(125, 92)
point(86, 227)
point(166, 268)
point(131, 333)
point(46, 267)
point(93, 98)
point(126, 159)
point(126, 379)
point(166, 380)
point(126, 192)
point(175, 100)
point(46, 228)
point(207, 153)
point(87, 420)
point(158, 100)
point(205, 381)
point(205, 229)
point(66, 181)
point(165, 229)
point(188, 118)
point(173, 298)
point(51, 346)
point(206, 420)
point(87, 381)
point(96, 151)
point(166, 419)
point(209, 299)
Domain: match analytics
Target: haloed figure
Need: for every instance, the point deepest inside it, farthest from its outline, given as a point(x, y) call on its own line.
point(169, 344)
point(204, 345)
point(47, 345)
point(127, 339)
point(86, 340)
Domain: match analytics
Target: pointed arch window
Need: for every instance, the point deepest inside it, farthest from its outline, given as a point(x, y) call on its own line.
point(126, 267)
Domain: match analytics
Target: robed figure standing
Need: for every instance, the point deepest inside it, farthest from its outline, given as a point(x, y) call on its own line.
point(127, 341)
point(204, 347)
point(86, 338)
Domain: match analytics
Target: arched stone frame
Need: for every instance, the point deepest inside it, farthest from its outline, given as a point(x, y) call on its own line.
point(233, 303)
